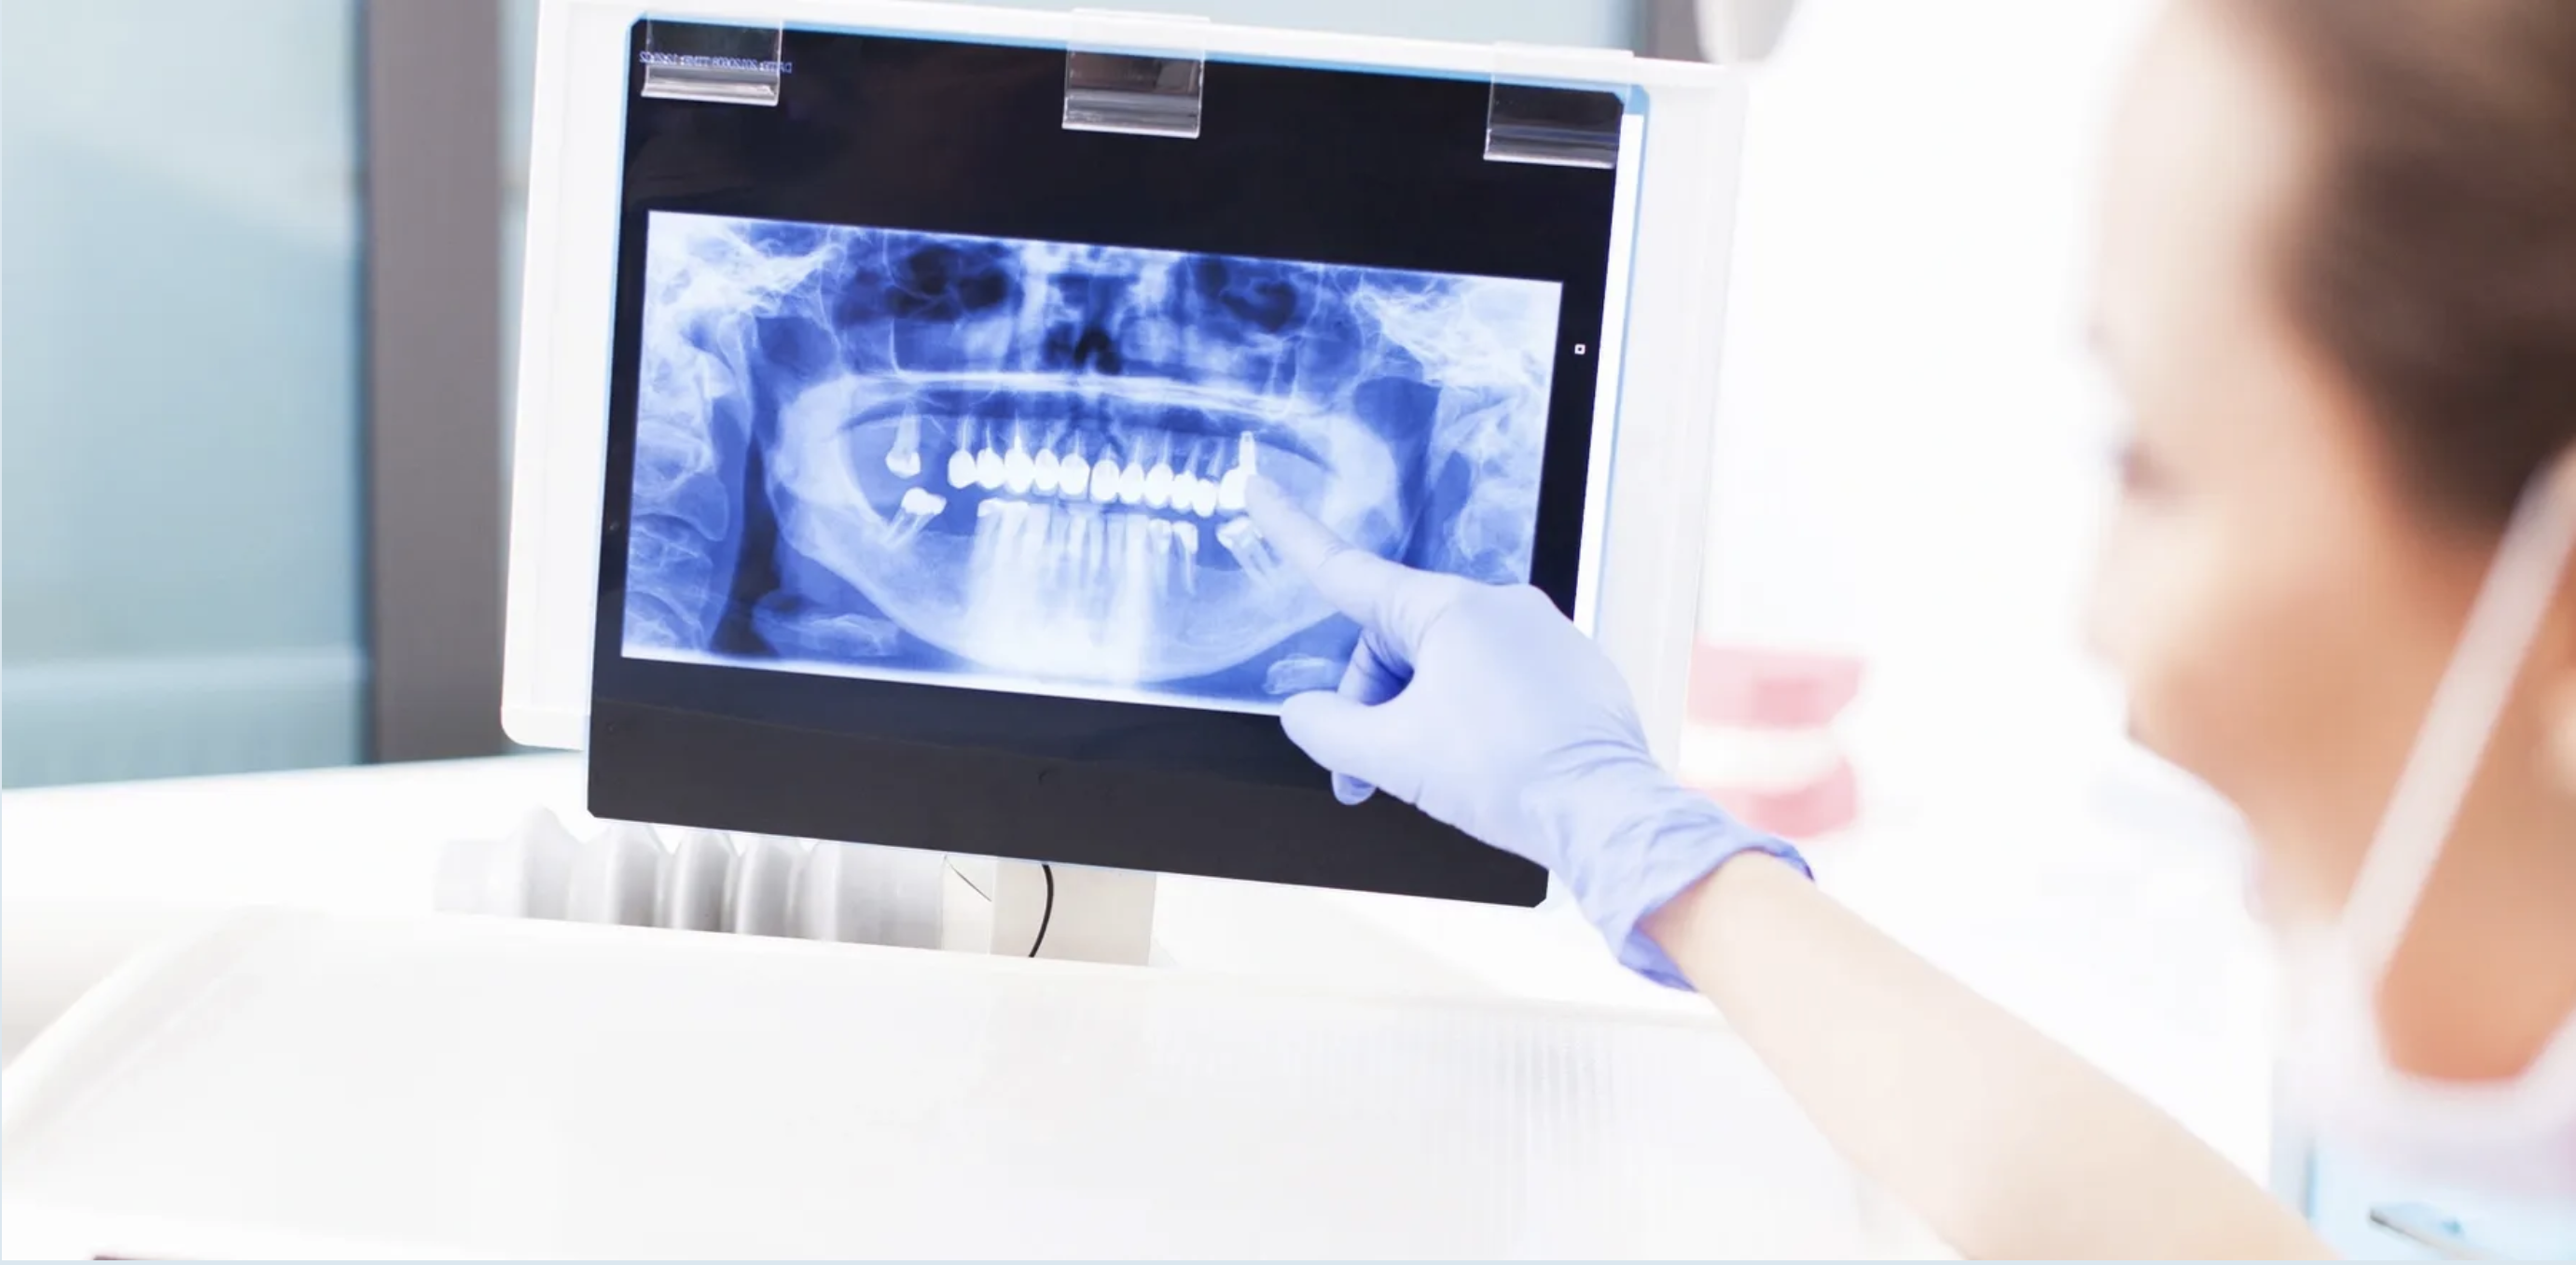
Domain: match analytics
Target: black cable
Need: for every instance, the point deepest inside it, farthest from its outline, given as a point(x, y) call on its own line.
point(1048, 914)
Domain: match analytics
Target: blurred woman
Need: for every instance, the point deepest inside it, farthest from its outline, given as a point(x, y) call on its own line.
point(2337, 287)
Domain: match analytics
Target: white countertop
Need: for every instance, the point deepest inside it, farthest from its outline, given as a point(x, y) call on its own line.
point(349, 1085)
point(2073, 912)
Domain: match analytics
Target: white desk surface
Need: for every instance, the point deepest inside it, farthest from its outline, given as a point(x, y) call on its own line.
point(2133, 949)
point(351, 1085)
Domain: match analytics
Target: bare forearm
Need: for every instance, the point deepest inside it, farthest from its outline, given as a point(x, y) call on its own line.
point(2004, 1141)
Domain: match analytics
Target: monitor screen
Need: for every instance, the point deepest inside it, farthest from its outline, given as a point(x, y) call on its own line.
point(931, 420)
point(1022, 467)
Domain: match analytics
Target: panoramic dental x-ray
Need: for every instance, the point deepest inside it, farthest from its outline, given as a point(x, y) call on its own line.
point(1020, 465)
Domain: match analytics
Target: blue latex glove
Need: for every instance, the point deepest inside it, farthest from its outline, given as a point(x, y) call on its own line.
point(1482, 706)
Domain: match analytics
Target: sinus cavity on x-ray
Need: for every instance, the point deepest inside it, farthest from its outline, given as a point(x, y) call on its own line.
point(1020, 465)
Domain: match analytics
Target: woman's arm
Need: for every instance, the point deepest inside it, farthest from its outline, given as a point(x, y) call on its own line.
point(1483, 707)
point(2005, 1142)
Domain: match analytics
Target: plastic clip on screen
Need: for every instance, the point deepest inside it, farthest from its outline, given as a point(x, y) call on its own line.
point(931, 422)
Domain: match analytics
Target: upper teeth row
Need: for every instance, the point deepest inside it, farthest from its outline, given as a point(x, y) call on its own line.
point(1104, 481)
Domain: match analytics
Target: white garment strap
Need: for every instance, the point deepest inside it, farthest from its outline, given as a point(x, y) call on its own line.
point(2511, 606)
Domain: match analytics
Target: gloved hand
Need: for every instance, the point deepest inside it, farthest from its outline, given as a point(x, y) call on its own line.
point(1482, 706)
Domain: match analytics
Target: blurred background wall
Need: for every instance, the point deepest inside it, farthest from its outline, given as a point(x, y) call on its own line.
point(182, 390)
point(259, 307)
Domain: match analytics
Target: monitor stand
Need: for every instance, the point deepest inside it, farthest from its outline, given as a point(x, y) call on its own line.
point(704, 880)
point(997, 906)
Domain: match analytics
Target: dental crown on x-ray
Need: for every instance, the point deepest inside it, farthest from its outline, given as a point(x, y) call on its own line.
point(1024, 462)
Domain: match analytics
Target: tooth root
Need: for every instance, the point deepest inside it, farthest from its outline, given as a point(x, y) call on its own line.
point(1250, 550)
point(988, 470)
point(1158, 539)
point(1046, 542)
point(1131, 483)
point(961, 469)
point(1048, 473)
point(1018, 472)
point(1027, 525)
point(1229, 490)
point(1045, 556)
point(1185, 536)
point(1138, 555)
point(919, 506)
point(1248, 452)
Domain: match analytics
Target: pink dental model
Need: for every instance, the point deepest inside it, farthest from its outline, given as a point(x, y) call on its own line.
point(1760, 737)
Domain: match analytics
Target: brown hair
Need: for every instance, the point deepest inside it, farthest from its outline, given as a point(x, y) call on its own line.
point(2433, 258)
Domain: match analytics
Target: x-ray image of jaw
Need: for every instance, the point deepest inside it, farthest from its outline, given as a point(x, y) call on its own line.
point(1021, 465)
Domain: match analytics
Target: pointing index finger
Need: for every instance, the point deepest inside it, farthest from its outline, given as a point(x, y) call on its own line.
point(1396, 602)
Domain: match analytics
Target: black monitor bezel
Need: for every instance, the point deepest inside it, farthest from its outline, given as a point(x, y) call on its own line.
point(1328, 165)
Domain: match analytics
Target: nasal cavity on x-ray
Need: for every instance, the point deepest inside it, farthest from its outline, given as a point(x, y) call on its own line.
point(1020, 465)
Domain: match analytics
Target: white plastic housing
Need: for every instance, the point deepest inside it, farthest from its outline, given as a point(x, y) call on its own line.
point(1640, 594)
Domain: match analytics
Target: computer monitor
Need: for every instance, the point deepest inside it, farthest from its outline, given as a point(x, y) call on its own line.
point(891, 375)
